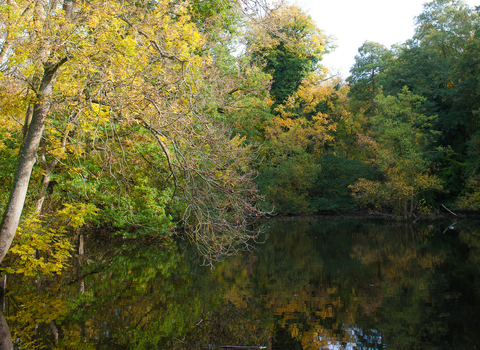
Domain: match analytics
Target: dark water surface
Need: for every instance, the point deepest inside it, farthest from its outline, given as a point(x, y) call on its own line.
point(314, 284)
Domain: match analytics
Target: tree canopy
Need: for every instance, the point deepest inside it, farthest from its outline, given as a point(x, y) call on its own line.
point(155, 118)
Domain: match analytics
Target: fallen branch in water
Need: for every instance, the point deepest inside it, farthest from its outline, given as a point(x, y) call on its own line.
point(451, 212)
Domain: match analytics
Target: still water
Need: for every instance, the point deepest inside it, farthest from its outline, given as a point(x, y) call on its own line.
point(315, 283)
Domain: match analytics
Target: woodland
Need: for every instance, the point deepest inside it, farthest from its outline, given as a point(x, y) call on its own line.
point(153, 118)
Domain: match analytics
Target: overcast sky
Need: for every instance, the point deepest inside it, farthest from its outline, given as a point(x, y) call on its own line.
point(353, 22)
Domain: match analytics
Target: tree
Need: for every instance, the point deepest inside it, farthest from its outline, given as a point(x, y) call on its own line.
point(108, 81)
point(403, 137)
point(371, 61)
point(440, 63)
point(296, 139)
point(290, 50)
point(49, 63)
point(446, 25)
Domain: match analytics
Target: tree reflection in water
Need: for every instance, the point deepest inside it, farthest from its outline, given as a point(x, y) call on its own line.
point(315, 284)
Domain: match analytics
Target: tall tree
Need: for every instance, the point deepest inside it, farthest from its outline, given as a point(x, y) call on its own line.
point(115, 85)
point(290, 50)
point(439, 63)
point(403, 140)
point(372, 59)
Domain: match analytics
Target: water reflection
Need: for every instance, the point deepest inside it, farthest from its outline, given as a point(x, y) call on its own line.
point(315, 284)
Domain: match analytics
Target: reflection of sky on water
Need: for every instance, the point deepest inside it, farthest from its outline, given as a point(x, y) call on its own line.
point(360, 340)
point(315, 284)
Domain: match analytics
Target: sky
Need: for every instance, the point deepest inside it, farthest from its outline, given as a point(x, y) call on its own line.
point(352, 22)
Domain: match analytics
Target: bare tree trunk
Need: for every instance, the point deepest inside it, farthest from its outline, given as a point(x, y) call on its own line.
point(27, 157)
point(28, 119)
point(81, 243)
point(5, 337)
point(55, 333)
point(68, 8)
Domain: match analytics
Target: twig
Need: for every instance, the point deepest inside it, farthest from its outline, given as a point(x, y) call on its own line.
point(451, 212)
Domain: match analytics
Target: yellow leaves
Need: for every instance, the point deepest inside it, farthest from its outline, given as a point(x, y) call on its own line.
point(34, 234)
point(128, 46)
point(34, 309)
point(238, 140)
point(76, 214)
point(12, 110)
point(291, 26)
point(294, 307)
point(316, 89)
point(102, 36)
point(300, 132)
point(395, 192)
point(102, 113)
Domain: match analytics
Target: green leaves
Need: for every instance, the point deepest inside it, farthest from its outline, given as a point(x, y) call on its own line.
point(403, 141)
point(290, 49)
point(135, 117)
point(372, 60)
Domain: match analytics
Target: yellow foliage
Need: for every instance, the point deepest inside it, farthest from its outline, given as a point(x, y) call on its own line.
point(294, 129)
point(290, 25)
point(30, 237)
point(111, 48)
point(394, 193)
point(52, 244)
point(34, 309)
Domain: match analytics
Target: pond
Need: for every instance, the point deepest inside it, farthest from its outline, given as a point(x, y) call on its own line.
point(315, 283)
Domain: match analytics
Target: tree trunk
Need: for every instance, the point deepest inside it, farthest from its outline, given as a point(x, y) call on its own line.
point(81, 243)
point(5, 337)
point(27, 157)
point(55, 333)
point(28, 119)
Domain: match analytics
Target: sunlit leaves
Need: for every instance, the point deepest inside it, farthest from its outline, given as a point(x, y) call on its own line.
point(403, 136)
point(291, 47)
point(129, 126)
point(294, 28)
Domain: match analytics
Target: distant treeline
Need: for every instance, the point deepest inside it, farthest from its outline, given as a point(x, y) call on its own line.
point(145, 118)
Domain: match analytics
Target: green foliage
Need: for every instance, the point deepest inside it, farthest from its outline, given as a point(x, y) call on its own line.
point(287, 70)
point(295, 141)
point(403, 141)
point(403, 133)
point(133, 201)
point(289, 51)
point(331, 190)
point(139, 118)
point(214, 16)
point(288, 180)
point(440, 63)
point(372, 60)
point(240, 99)
point(471, 199)
point(9, 146)
point(445, 25)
